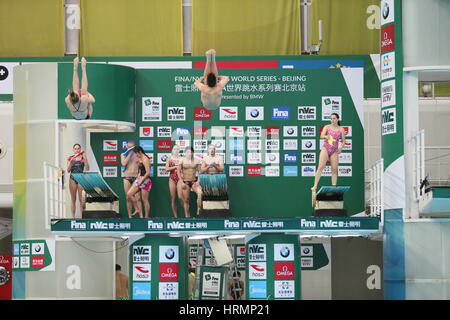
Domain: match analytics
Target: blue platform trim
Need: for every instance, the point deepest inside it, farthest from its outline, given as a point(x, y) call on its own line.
point(94, 185)
point(394, 255)
point(333, 189)
point(321, 64)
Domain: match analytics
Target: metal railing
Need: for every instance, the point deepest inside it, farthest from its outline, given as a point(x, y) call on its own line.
point(376, 190)
point(437, 165)
point(55, 198)
point(418, 143)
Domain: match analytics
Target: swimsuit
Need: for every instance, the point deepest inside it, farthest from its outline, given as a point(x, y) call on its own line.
point(147, 183)
point(332, 144)
point(173, 173)
point(81, 114)
point(191, 166)
point(77, 167)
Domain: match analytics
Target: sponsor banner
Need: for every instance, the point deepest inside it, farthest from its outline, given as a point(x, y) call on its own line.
point(236, 158)
point(201, 113)
point(308, 131)
point(290, 171)
point(387, 11)
point(388, 65)
point(201, 132)
point(254, 144)
point(176, 113)
point(284, 270)
point(290, 158)
point(6, 264)
point(331, 105)
point(272, 158)
point(219, 144)
point(168, 291)
point(253, 132)
point(254, 113)
point(162, 157)
point(307, 251)
point(257, 289)
point(284, 288)
point(168, 272)
point(345, 171)
point(240, 251)
point(272, 131)
point(254, 158)
point(272, 171)
point(236, 144)
point(141, 291)
point(387, 38)
point(109, 172)
point(388, 121)
point(228, 113)
point(272, 144)
point(306, 263)
point(146, 132)
point(110, 158)
point(257, 270)
point(151, 108)
point(164, 132)
point(280, 113)
point(142, 272)
point(200, 145)
point(308, 157)
point(142, 254)
point(283, 252)
point(308, 144)
point(236, 131)
point(125, 142)
point(308, 171)
point(290, 131)
point(236, 171)
point(168, 254)
point(257, 252)
point(217, 131)
point(183, 144)
point(348, 145)
point(290, 144)
point(182, 132)
point(345, 157)
point(147, 145)
point(306, 113)
point(110, 145)
point(162, 172)
point(164, 145)
point(211, 284)
point(388, 93)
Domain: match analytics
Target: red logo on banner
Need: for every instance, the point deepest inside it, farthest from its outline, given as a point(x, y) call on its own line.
point(6, 281)
point(109, 158)
point(254, 171)
point(164, 145)
point(284, 270)
point(168, 272)
point(200, 132)
point(387, 38)
point(201, 113)
point(272, 131)
point(37, 262)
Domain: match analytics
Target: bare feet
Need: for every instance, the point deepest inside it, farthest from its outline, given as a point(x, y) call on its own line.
point(135, 213)
point(83, 62)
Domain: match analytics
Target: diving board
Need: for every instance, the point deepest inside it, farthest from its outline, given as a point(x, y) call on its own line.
point(97, 191)
point(435, 202)
point(329, 201)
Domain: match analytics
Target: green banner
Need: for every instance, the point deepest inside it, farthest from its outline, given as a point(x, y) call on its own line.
point(158, 268)
point(315, 256)
point(181, 225)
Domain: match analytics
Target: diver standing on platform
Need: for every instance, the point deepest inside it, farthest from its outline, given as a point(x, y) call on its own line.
point(76, 163)
point(334, 141)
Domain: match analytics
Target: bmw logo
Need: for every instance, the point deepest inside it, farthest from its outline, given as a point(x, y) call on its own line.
point(164, 158)
point(37, 249)
point(254, 113)
point(272, 157)
point(170, 253)
point(290, 131)
point(3, 73)
point(308, 144)
point(285, 252)
point(306, 250)
point(218, 144)
point(385, 10)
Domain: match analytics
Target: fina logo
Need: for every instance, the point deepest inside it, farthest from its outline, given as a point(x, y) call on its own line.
point(170, 254)
point(284, 252)
point(280, 113)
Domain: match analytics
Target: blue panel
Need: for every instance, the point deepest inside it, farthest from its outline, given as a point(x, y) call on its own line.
point(322, 64)
point(394, 255)
point(333, 189)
